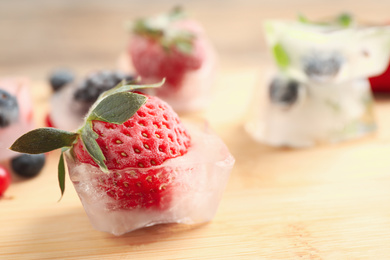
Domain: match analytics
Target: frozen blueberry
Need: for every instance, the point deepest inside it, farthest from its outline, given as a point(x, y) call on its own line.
point(28, 165)
point(9, 109)
point(88, 90)
point(60, 78)
point(284, 92)
point(322, 66)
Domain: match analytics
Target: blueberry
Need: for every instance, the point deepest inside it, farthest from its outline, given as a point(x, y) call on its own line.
point(284, 92)
point(60, 78)
point(28, 165)
point(9, 109)
point(88, 90)
point(322, 66)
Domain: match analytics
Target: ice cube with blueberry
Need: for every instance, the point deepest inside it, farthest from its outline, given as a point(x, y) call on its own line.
point(320, 92)
point(16, 118)
point(300, 114)
point(72, 99)
point(328, 53)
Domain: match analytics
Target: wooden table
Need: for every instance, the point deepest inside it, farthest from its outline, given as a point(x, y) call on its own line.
point(327, 202)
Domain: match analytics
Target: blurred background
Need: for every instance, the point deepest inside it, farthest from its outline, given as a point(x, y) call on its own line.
point(36, 36)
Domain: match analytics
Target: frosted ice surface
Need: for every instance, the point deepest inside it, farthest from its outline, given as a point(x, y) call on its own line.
point(197, 180)
point(63, 113)
point(18, 87)
point(322, 113)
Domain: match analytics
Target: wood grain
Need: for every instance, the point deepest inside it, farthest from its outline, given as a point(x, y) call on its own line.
point(326, 202)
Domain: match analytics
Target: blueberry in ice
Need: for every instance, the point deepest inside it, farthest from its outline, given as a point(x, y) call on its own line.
point(28, 165)
point(283, 91)
point(96, 83)
point(322, 65)
point(9, 109)
point(88, 90)
point(60, 78)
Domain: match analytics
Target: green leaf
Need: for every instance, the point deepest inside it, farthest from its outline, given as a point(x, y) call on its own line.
point(122, 87)
point(184, 42)
point(88, 137)
point(344, 19)
point(117, 108)
point(281, 56)
point(43, 140)
point(61, 172)
point(176, 13)
point(302, 18)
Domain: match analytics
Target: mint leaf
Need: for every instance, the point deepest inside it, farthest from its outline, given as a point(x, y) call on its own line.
point(302, 18)
point(61, 172)
point(109, 111)
point(281, 56)
point(344, 19)
point(88, 137)
point(43, 140)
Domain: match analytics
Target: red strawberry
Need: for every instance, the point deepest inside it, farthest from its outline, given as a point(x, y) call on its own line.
point(151, 136)
point(381, 83)
point(5, 180)
point(169, 50)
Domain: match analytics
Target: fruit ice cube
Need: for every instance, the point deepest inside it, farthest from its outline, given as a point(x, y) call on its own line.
point(327, 53)
point(296, 114)
point(18, 88)
point(192, 187)
point(181, 53)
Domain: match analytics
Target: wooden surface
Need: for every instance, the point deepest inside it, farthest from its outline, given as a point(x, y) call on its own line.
point(327, 202)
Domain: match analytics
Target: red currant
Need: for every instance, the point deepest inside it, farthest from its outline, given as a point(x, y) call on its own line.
point(5, 180)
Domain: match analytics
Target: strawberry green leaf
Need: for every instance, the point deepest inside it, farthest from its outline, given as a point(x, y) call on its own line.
point(123, 87)
point(176, 13)
point(184, 47)
point(160, 29)
point(43, 140)
point(61, 172)
point(281, 56)
point(88, 137)
point(108, 109)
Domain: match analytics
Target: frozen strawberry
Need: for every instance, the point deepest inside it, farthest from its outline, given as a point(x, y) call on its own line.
point(134, 164)
point(151, 136)
point(166, 47)
point(173, 47)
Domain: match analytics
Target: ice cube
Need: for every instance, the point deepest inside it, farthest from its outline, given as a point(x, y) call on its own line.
point(195, 91)
point(321, 53)
point(18, 87)
point(64, 112)
point(194, 182)
point(319, 112)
